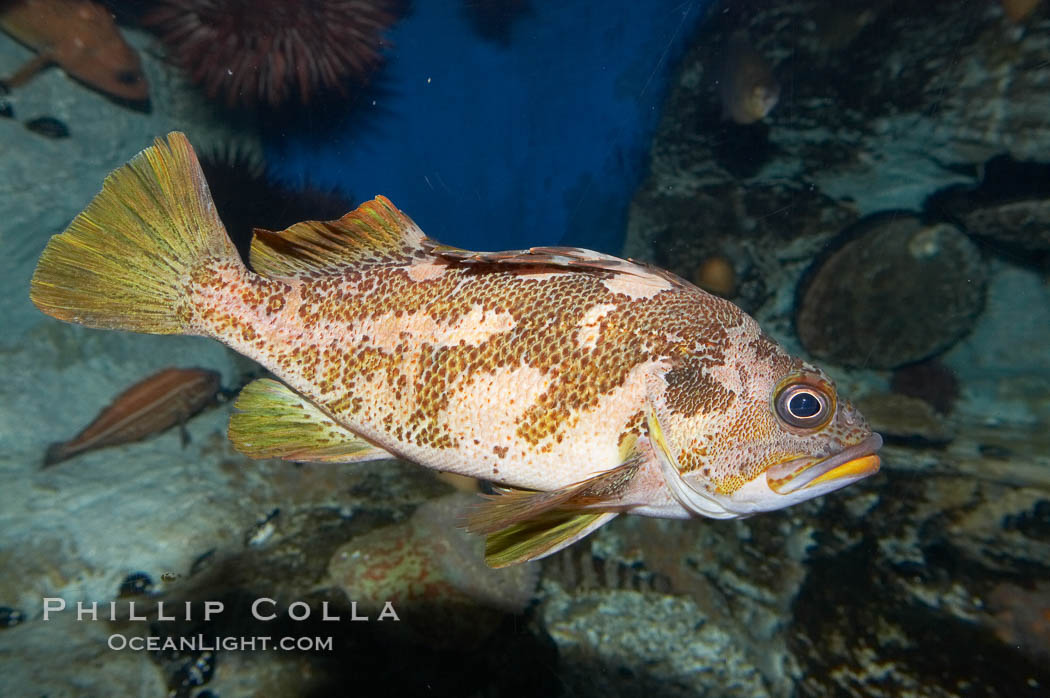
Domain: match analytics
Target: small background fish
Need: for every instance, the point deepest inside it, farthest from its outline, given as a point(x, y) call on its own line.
point(153, 405)
point(80, 37)
point(1019, 10)
point(747, 86)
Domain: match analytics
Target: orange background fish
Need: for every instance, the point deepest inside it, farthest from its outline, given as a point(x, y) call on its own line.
point(159, 402)
point(80, 37)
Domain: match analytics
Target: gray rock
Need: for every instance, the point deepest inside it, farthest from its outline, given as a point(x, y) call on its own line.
point(629, 644)
point(911, 582)
point(903, 417)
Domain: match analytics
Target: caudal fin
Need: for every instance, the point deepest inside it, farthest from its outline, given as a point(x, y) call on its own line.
point(124, 261)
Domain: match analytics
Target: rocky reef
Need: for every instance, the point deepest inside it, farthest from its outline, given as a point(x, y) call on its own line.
point(887, 220)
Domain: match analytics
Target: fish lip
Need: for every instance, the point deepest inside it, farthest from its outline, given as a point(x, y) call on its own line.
point(799, 473)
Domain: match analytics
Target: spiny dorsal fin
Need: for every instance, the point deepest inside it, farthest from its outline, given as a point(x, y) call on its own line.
point(524, 525)
point(376, 232)
point(273, 421)
point(570, 258)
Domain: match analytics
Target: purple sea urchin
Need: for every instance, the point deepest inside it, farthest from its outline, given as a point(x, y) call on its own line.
point(246, 198)
point(492, 19)
point(270, 52)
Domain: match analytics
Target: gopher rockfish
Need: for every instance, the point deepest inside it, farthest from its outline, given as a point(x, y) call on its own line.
point(584, 384)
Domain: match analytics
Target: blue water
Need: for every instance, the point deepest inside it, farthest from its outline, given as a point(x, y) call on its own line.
point(491, 146)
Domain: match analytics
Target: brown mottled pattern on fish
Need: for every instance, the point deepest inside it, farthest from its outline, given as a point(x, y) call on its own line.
point(529, 360)
point(591, 384)
point(154, 404)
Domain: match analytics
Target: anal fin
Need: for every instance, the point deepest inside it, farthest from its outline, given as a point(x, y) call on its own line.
point(273, 421)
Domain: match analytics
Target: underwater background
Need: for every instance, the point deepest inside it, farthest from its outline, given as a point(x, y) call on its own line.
point(869, 179)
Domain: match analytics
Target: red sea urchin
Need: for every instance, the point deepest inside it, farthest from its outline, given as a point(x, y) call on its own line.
point(251, 52)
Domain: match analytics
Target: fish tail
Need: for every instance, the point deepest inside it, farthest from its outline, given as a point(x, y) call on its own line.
point(125, 261)
point(57, 452)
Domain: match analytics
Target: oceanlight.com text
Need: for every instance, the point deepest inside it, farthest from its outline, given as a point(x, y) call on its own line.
point(230, 643)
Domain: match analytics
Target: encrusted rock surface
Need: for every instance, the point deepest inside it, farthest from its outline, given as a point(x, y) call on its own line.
point(910, 599)
point(884, 103)
point(63, 658)
point(912, 582)
point(629, 644)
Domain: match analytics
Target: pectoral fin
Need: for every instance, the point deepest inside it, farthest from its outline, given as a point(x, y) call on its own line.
point(31, 67)
point(273, 421)
point(524, 525)
point(542, 536)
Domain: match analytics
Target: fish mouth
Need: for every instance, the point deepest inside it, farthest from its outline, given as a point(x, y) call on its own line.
point(850, 464)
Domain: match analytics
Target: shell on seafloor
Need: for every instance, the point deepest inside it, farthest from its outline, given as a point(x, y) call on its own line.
point(433, 573)
point(890, 291)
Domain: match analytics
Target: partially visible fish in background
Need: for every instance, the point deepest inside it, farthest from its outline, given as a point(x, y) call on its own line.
point(153, 405)
point(1019, 10)
point(747, 86)
point(80, 37)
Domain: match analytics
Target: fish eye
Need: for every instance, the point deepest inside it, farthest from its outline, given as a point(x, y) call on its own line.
point(803, 405)
point(127, 77)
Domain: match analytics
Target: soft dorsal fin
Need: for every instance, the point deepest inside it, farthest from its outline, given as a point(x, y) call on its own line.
point(376, 232)
point(273, 421)
point(569, 258)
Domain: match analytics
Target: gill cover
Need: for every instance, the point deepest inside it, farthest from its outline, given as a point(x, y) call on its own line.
point(693, 499)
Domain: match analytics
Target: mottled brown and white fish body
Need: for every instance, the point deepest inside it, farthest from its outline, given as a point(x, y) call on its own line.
point(586, 384)
point(469, 421)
